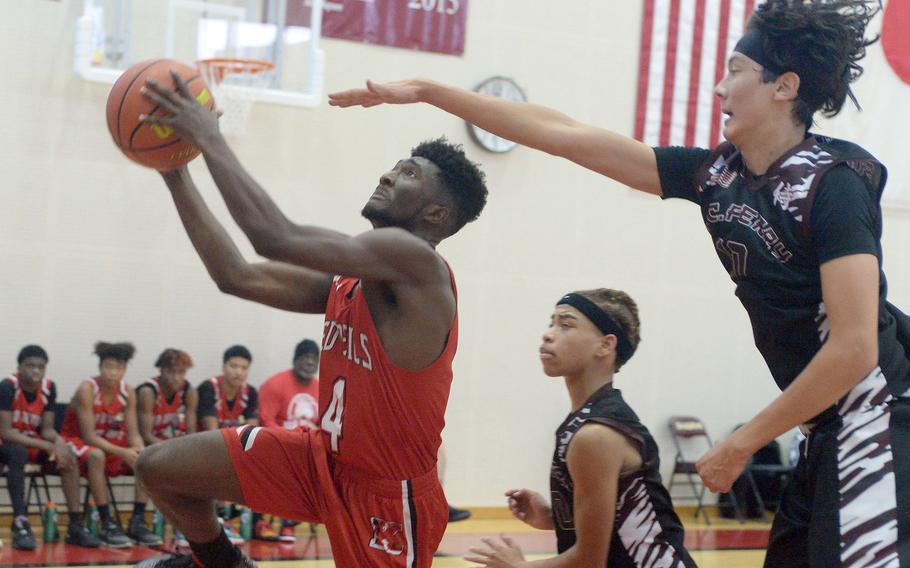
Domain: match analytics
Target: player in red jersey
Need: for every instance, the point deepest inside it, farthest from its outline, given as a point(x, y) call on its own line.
point(28, 436)
point(100, 426)
point(166, 404)
point(290, 399)
point(228, 400)
point(391, 330)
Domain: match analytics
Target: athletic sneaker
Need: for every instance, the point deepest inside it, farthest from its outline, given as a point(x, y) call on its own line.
point(23, 537)
point(78, 535)
point(141, 533)
point(287, 533)
point(232, 534)
point(263, 531)
point(180, 540)
point(456, 515)
point(112, 535)
point(187, 561)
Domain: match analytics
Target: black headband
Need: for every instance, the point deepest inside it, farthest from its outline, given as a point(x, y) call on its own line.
point(752, 45)
point(602, 320)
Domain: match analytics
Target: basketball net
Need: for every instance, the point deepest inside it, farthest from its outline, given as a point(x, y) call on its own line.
point(236, 84)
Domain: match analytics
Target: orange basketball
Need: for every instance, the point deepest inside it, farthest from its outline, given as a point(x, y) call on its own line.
point(152, 145)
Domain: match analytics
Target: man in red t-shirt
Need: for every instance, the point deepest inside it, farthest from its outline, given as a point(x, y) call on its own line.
point(290, 399)
point(390, 335)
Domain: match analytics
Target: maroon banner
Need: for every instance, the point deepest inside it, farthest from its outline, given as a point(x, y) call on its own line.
point(427, 25)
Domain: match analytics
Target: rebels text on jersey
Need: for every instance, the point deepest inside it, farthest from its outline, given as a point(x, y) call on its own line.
point(817, 202)
point(376, 416)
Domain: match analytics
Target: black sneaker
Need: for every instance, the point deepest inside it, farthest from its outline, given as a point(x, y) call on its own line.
point(112, 535)
point(456, 515)
point(187, 561)
point(78, 535)
point(23, 537)
point(141, 533)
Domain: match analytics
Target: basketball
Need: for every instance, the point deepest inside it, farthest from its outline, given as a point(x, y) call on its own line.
point(152, 145)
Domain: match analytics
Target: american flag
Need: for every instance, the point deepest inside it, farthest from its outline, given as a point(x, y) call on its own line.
point(684, 49)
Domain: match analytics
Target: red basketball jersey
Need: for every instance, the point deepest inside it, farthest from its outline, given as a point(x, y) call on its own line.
point(110, 418)
point(27, 415)
point(228, 417)
point(377, 417)
point(169, 417)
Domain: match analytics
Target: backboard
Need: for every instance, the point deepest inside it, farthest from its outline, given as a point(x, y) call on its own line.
point(111, 35)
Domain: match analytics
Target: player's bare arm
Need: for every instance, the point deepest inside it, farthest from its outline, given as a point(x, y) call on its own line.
point(597, 456)
point(145, 415)
point(192, 404)
point(60, 452)
point(850, 293)
point(10, 434)
point(275, 284)
point(616, 156)
point(132, 423)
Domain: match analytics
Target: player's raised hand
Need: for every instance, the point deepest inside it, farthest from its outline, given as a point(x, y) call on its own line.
point(184, 113)
point(396, 92)
point(530, 507)
point(497, 554)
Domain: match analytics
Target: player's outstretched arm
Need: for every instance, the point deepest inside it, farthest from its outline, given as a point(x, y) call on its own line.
point(616, 156)
point(276, 284)
point(271, 233)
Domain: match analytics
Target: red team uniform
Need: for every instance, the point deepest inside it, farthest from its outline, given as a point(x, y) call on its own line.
point(27, 415)
point(229, 413)
point(110, 424)
point(169, 415)
point(285, 403)
point(369, 474)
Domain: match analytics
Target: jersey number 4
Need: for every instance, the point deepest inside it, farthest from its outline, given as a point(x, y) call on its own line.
point(332, 419)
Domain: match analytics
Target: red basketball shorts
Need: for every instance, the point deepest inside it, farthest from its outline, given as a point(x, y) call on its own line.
point(113, 465)
point(371, 522)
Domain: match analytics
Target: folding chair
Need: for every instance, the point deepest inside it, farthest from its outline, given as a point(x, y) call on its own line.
point(685, 430)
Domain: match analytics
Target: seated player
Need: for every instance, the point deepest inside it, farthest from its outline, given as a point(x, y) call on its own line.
point(28, 436)
point(607, 503)
point(100, 426)
point(290, 399)
point(228, 401)
point(167, 404)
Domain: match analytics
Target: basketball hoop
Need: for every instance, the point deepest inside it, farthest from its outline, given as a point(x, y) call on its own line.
point(236, 84)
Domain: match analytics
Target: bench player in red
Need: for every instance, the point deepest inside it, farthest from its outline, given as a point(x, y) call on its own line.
point(100, 425)
point(390, 334)
point(28, 436)
point(166, 406)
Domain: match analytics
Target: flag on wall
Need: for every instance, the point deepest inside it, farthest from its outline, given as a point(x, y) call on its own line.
point(895, 40)
point(684, 49)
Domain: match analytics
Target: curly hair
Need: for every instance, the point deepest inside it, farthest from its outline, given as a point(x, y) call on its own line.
point(624, 311)
point(460, 177)
point(118, 351)
point(822, 41)
point(173, 358)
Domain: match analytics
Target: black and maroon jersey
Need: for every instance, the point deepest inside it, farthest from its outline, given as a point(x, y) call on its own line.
point(168, 415)
point(27, 408)
point(817, 202)
point(646, 530)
